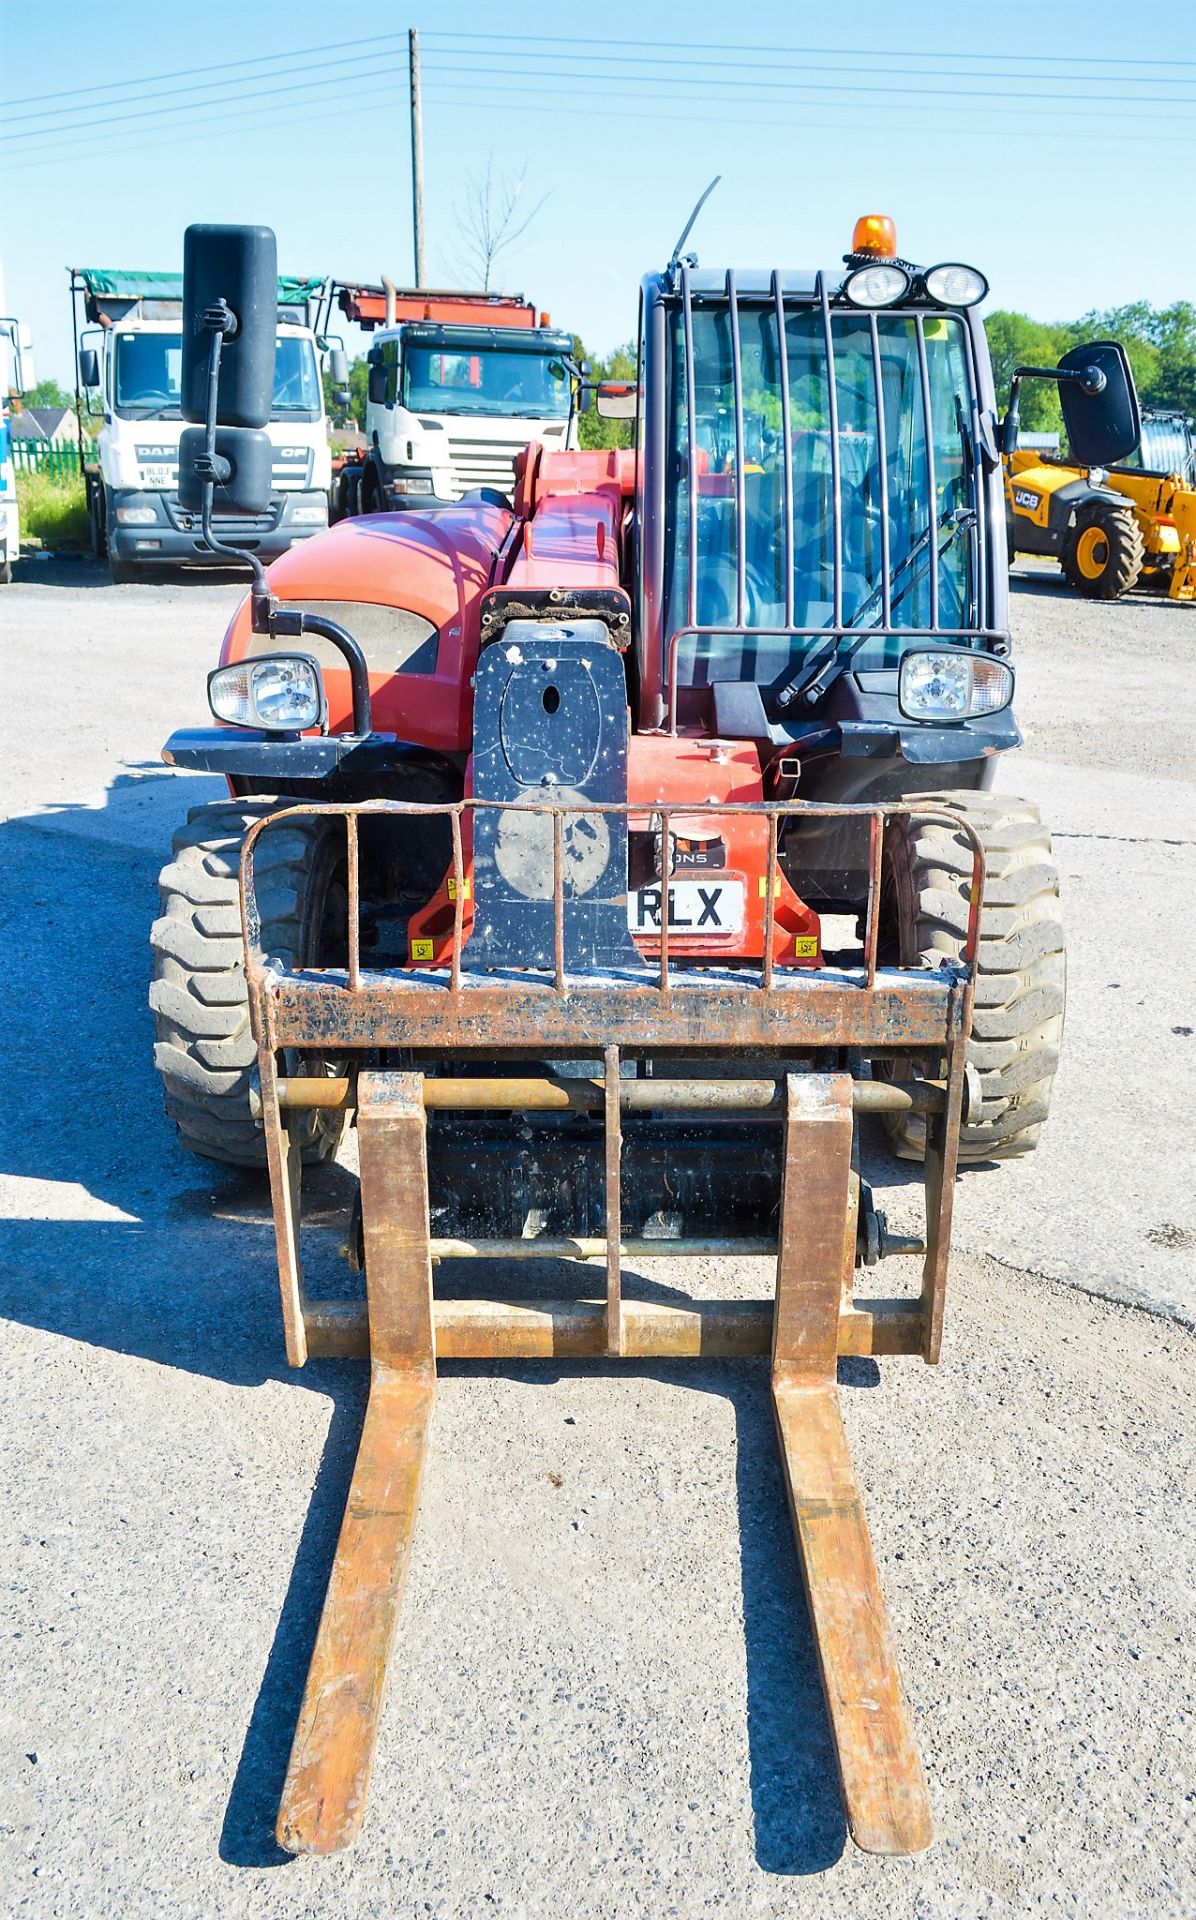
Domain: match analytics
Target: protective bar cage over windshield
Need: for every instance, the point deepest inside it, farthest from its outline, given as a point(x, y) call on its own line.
point(822, 476)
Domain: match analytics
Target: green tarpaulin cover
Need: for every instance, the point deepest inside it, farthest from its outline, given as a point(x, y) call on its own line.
point(101, 283)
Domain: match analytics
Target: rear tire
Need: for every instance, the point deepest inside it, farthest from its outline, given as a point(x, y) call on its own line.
point(205, 1048)
point(1103, 553)
point(1017, 1024)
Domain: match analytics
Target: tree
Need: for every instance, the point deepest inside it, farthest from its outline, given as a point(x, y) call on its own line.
point(1014, 340)
point(48, 393)
point(354, 413)
point(593, 430)
point(489, 223)
point(1160, 344)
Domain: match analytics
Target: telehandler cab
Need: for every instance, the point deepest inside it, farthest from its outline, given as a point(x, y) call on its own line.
point(605, 853)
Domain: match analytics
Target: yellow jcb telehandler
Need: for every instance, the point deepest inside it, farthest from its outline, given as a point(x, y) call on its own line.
point(1111, 528)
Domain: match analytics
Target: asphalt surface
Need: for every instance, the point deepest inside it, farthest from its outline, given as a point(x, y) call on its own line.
point(603, 1698)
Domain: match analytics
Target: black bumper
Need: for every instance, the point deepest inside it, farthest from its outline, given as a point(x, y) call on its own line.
point(240, 752)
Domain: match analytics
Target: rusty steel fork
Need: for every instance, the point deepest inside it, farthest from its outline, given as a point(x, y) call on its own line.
point(323, 1801)
point(884, 1787)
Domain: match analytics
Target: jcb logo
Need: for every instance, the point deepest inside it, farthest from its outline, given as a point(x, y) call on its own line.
point(1022, 497)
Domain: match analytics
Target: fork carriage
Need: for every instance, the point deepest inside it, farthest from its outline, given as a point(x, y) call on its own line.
point(784, 1045)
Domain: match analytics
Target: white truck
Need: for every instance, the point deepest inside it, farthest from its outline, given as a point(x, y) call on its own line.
point(130, 354)
point(16, 377)
point(458, 384)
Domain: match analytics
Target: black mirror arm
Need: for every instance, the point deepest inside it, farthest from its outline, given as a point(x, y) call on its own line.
point(213, 470)
point(1091, 379)
point(290, 623)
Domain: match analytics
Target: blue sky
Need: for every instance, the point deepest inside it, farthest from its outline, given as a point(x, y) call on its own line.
point(1061, 178)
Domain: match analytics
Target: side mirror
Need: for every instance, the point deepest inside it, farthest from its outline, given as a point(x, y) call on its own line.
point(235, 268)
point(250, 458)
point(89, 368)
point(338, 367)
point(1100, 407)
point(616, 400)
point(376, 386)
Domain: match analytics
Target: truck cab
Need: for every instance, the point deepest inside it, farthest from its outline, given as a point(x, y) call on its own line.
point(458, 385)
point(131, 355)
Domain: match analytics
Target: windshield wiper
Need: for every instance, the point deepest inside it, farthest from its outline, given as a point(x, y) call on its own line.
point(816, 677)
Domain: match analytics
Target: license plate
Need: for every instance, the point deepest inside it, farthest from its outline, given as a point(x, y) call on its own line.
point(707, 907)
point(159, 476)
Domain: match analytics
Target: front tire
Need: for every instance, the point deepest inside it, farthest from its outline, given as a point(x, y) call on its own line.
point(205, 1049)
point(1017, 1024)
point(1103, 553)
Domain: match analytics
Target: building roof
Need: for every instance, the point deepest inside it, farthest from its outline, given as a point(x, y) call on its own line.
point(42, 423)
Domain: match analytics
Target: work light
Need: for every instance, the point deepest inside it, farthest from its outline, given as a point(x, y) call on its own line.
point(282, 692)
point(881, 285)
point(945, 683)
point(954, 285)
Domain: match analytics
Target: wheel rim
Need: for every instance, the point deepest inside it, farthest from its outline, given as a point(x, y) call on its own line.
point(1092, 552)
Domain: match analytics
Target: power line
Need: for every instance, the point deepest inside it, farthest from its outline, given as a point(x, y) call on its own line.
point(461, 76)
point(812, 85)
point(550, 105)
point(108, 122)
point(195, 131)
point(207, 86)
point(574, 108)
point(1066, 103)
point(373, 41)
point(673, 60)
point(156, 113)
point(220, 66)
point(857, 53)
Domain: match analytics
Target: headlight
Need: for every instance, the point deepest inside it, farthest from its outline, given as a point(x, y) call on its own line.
point(409, 485)
point(941, 684)
point(137, 516)
point(310, 517)
point(282, 692)
point(879, 286)
point(953, 285)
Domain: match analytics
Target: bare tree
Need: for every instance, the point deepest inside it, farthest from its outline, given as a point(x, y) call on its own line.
point(489, 221)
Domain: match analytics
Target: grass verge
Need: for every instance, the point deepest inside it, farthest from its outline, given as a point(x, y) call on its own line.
point(53, 511)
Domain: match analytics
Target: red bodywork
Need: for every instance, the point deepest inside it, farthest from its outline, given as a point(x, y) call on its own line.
point(567, 531)
point(366, 306)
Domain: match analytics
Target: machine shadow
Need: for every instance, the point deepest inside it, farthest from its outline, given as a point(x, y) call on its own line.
point(82, 569)
point(247, 1833)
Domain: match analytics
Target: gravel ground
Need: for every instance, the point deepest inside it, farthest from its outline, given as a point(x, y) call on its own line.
point(603, 1699)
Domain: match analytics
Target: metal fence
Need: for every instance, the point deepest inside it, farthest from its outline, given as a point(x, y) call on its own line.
point(59, 459)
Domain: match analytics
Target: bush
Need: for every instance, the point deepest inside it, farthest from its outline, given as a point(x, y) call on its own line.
point(53, 510)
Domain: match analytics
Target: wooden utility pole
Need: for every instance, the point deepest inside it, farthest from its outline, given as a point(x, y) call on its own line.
point(417, 158)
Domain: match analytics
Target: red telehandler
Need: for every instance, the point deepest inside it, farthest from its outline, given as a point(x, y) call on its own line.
point(605, 853)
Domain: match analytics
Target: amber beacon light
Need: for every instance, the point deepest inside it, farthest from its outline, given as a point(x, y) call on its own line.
point(875, 234)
